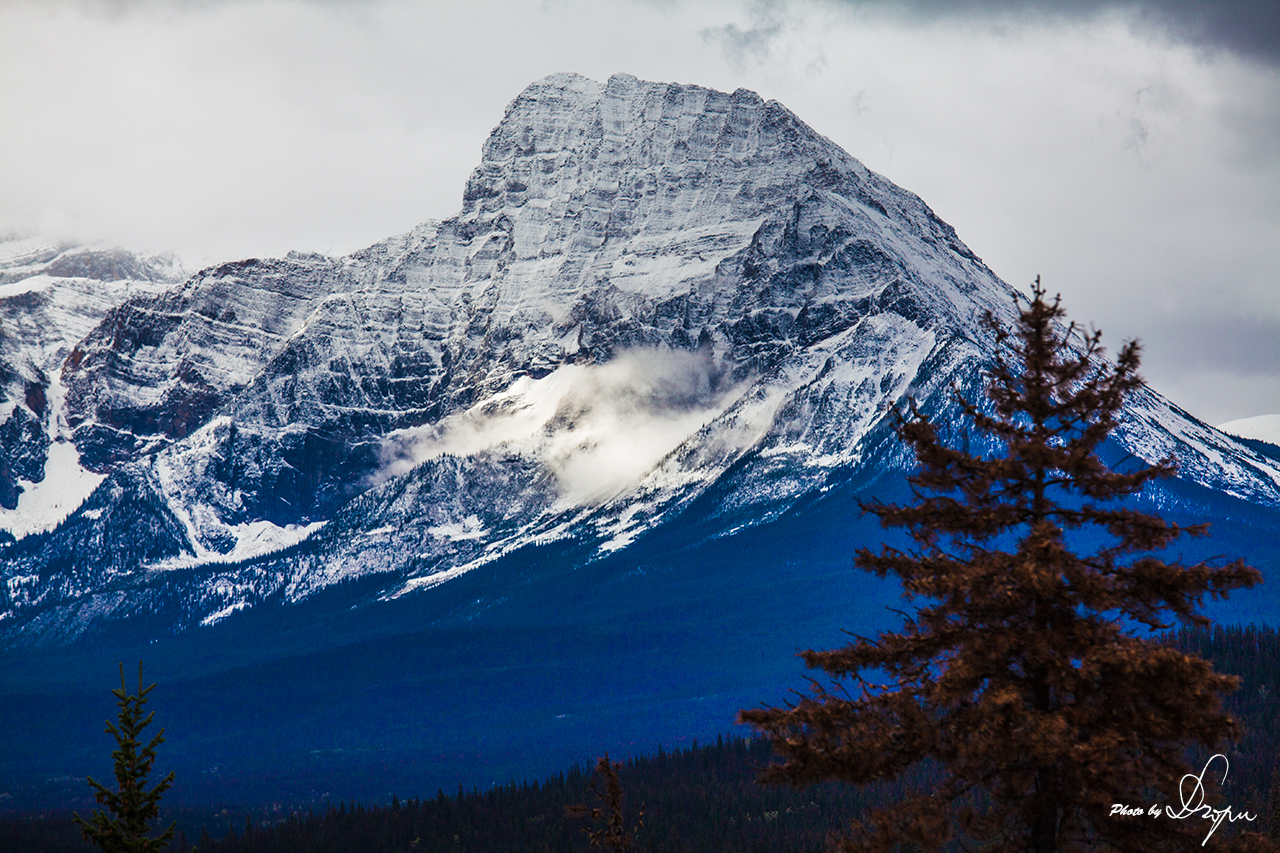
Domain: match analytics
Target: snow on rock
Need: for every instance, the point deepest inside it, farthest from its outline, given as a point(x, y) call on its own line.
point(42, 505)
point(51, 295)
point(218, 616)
point(63, 484)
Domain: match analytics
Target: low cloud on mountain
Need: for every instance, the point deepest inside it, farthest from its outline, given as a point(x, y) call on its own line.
point(598, 427)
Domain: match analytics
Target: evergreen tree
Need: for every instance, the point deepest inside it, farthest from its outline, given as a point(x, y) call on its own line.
point(133, 806)
point(1026, 686)
point(613, 834)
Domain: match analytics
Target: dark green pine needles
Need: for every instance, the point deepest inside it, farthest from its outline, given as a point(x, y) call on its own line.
point(133, 806)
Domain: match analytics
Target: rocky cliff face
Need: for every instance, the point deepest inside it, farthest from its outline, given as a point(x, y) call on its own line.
point(652, 293)
point(51, 295)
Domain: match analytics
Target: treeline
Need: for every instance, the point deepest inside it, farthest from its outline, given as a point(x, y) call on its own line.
point(1251, 652)
point(704, 798)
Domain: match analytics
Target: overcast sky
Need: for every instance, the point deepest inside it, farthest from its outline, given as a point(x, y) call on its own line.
point(1127, 153)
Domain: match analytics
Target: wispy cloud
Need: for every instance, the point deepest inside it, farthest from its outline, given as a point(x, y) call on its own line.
point(751, 44)
point(598, 428)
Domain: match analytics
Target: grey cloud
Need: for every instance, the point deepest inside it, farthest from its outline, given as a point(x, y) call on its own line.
point(739, 44)
point(744, 46)
point(1237, 345)
point(1219, 367)
point(1247, 27)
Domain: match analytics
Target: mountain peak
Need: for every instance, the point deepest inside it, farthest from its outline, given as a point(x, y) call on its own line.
point(653, 292)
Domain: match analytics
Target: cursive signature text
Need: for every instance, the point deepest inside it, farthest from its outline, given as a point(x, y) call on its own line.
point(1193, 800)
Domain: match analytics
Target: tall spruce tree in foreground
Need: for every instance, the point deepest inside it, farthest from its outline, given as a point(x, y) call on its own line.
point(132, 805)
point(1020, 686)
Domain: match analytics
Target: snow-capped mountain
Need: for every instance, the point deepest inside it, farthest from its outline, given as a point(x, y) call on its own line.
point(1259, 428)
point(653, 294)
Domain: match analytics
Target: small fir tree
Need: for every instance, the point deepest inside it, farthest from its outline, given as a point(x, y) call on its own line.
point(1024, 684)
point(132, 806)
point(613, 833)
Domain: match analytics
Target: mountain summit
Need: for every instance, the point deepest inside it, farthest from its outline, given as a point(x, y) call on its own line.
point(655, 296)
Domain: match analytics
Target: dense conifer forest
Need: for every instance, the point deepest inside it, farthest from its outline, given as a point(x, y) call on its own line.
point(705, 798)
point(1251, 652)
